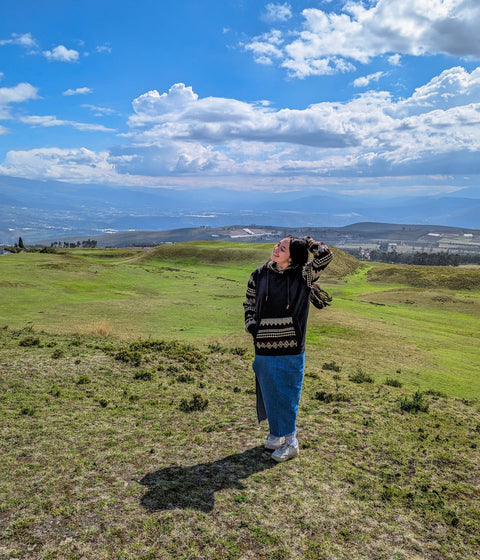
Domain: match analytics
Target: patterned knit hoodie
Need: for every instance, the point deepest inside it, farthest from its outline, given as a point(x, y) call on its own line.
point(277, 304)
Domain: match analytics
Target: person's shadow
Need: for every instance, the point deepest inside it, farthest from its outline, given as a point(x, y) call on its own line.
point(194, 487)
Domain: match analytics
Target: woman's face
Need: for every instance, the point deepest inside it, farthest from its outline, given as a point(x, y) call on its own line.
point(281, 253)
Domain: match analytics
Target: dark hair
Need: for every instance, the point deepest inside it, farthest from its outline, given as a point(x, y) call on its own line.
point(298, 251)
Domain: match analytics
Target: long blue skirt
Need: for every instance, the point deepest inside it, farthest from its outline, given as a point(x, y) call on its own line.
point(279, 382)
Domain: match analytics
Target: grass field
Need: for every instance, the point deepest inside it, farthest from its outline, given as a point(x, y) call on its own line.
point(128, 425)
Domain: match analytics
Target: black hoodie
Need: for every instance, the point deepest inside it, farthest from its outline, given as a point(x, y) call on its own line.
point(277, 304)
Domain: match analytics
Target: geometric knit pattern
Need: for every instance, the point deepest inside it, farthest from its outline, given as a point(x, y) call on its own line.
point(276, 333)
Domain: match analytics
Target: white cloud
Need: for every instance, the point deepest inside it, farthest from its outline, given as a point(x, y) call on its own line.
point(73, 165)
point(17, 94)
point(50, 121)
point(99, 111)
point(266, 47)
point(78, 91)
point(177, 134)
point(103, 49)
point(331, 42)
point(367, 134)
point(25, 40)
point(395, 59)
point(62, 54)
point(277, 12)
point(364, 81)
point(452, 88)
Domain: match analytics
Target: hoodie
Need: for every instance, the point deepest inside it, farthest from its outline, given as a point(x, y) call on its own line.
point(277, 304)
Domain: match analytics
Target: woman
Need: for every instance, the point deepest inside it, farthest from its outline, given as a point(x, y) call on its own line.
point(276, 312)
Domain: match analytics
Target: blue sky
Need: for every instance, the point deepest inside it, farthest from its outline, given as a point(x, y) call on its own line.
point(375, 97)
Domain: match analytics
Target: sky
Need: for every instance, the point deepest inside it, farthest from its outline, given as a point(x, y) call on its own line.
point(380, 97)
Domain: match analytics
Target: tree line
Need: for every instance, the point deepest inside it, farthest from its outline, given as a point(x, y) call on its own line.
point(86, 244)
point(441, 258)
point(19, 246)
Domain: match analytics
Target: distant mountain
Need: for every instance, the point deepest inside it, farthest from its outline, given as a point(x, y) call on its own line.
point(41, 210)
point(410, 238)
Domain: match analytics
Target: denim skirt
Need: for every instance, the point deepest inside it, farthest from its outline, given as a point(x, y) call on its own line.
point(279, 382)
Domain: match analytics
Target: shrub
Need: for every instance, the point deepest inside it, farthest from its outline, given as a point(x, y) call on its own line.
point(217, 348)
point(392, 382)
point(146, 375)
point(434, 393)
point(57, 353)
point(360, 377)
point(238, 351)
point(197, 402)
point(185, 378)
point(325, 397)
point(332, 366)
point(83, 380)
point(414, 404)
point(30, 341)
point(129, 356)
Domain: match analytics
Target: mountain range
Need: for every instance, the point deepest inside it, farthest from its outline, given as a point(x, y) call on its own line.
point(50, 210)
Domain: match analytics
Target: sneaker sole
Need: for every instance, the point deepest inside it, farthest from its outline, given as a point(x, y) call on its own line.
point(283, 459)
point(272, 447)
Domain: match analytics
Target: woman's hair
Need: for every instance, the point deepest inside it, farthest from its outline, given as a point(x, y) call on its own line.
point(298, 251)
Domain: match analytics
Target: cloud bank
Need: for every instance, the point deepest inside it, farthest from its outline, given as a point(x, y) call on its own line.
point(329, 43)
point(175, 135)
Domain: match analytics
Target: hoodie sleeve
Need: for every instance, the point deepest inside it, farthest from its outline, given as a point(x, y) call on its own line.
point(249, 305)
point(322, 257)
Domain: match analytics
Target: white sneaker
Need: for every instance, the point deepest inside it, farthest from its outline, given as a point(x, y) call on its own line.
point(285, 452)
point(274, 442)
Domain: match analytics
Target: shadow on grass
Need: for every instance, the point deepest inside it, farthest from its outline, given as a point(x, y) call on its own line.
point(194, 487)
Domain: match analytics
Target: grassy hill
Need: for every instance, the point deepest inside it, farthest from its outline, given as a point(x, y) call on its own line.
point(128, 425)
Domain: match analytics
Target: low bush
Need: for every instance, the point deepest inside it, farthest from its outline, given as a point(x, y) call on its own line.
point(393, 382)
point(360, 377)
point(414, 404)
point(197, 402)
point(29, 341)
point(325, 397)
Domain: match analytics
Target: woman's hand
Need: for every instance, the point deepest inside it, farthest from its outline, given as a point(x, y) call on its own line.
point(315, 246)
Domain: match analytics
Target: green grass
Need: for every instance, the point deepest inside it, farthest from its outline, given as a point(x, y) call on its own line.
point(127, 412)
point(101, 459)
point(420, 324)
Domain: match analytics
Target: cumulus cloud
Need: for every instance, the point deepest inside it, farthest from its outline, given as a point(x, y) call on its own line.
point(177, 134)
point(72, 165)
point(365, 134)
point(267, 47)
point(331, 42)
point(277, 12)
point(17, 94)
point(50, 121)
point(395, 59)
point(180, 115)
point(24, 40)
point(78, 91)
point(62, 54)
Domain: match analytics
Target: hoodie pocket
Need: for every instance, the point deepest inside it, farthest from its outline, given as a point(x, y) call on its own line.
point(277, 333)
